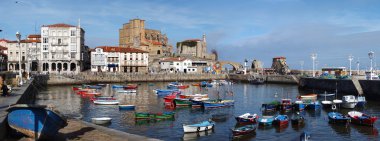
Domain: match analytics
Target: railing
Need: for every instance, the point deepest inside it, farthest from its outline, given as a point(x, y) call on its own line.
point(61, 44)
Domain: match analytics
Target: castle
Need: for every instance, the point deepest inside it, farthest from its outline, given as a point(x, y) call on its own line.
point(194, 48)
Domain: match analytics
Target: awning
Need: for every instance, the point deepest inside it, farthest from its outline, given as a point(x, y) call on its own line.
point(112, 65)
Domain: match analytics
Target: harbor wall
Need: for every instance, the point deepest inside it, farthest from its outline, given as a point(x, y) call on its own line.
point(121, 78)
point(343, 86)
point(275, 79)
point(371, 88)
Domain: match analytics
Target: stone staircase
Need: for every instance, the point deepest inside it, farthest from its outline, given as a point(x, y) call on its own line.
point(357, 85)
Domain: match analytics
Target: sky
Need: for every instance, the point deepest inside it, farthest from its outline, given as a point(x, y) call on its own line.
point(237, 29)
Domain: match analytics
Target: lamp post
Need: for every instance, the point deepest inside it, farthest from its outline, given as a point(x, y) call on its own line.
point(350, 58)
point(358, 66)
point(370, 55)
point(313, 57)
point(18, 36)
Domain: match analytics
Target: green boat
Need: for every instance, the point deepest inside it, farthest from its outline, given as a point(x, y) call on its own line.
point(165, 115)
point(182, 102)
point(142, 116)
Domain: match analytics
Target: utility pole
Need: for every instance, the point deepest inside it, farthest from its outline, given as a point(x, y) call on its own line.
point(314, 57)
point(350, 58)
point(358, 66)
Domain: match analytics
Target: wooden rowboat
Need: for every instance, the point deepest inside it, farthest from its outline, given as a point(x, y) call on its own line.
point(101, 120)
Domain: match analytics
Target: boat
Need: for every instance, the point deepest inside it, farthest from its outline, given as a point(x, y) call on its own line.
point(101, 120)
point(192, 96)
point(336, 101)
point(205, 84)
point(308, 97)
point(299, 105)
point(217, 103)
point(92, 93)
point(228, 102)
point(298, 120)
point(361, 118)
point(35, 121)
point(266, 120)
point(182, 102)
point(183, 86)
point(326, 103)
point(131, 86)
point(127, 91)
point(286, 105)
point(314, 105)
point(361, 101)
point(127, 107)
point(271, 106)
point(164, 115)
point(202, 126)
point(220, 117)
point(117, 86)
point(281, 120)
point(256, 81)
point(244, 130)
point(161, 92)
point(326, 94)
point(101, 85)
point(143, 116)
point(102, 98)
point(94, 87)
point(169, 99)
point(196, 84)
point(349, 101)
point(335, 117)
point(195, 103)
point(106, 102)
point(247, 118)
point(224, 82)
point(75, 88)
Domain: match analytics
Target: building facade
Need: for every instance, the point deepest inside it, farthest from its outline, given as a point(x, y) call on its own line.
point(63, 49)
point(134, 34)
point(118, 59)
point(30, 54)
point(195, 48)
point(177, 65)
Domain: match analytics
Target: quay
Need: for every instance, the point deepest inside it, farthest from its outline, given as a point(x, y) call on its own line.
point(76, 129)
point(93, 77)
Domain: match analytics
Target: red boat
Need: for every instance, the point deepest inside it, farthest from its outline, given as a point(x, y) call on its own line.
point(182, 86)
point(361, 118)
point(130, 86)
point(81, 92)
point(281, 120)
point(168, 100)
point(76, 88)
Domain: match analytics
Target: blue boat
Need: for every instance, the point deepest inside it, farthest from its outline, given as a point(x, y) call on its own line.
point(205, 84)
point(196, 103)
point(35, 121)
point(281, 120)
point(335, 117)
point(126, 107)
point(94, 87)
point(361, 101)
point(117, 86)
point(172, 87)
point(165, 92)
point(266, 120)
point(299, 105)
point(271, 106)
point(213, 104)
point(314, 105)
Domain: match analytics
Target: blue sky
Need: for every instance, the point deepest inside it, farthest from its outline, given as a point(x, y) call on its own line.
point(237, 29)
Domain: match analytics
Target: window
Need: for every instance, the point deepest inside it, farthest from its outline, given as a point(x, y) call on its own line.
point(52, 56)
point(45, 55)
point(177, 64)
point(59, 41)
point(73, 40)
point(193, 69)
point(72, 33)
point(45, 40)
point(45, 47)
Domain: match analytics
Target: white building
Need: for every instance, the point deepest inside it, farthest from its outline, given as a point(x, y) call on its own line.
point(30, 54)
point(63, 49)
point(175, 65)
point(119, 59)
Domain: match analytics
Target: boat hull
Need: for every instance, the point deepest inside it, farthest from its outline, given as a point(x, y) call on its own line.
point(349, 105)
point(338, 118)
point(101, 120)
point(126, 107)
point(37, 123)
point(182, 102)
point(245, 130)
point(193, 128)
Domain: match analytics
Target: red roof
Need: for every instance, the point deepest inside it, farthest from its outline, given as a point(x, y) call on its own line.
point(4, 40)
point(121, 49)
point(26, 41)
point(34, 36)
point(172, 59)
point(58, 25)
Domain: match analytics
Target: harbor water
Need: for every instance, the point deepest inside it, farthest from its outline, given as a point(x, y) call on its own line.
point(248, 99)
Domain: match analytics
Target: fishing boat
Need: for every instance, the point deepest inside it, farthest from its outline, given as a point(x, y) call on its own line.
point(196, 84)
point(142, 116)
point(361, 101)
point(299, 105)
point(161, 92)
point(102, 98)
point(106, 102)
point(182, 102)
point(326, 103)
point(266, 120)
point(94, 87)
point(131, 86)
point(326, 94)
point(271, 106)
point(244, 130)
point(298, 120)
point(205, 84)
point(217, 103)
point(256, 81)
point(314, 105)
point(286, 105)
point(101, 120)
point(336, 101)
point(92, 93)
point(281, 120)
point(169, 99)
point(164, 115)
point(117, 86)
point(349, 101)
point(75, 88)
point(335, 117)
point(228, 102)
point(196, 103)
point(35, 121)
point(183, 86)
point(247, 118)
point(308, 97)
point(127, 107)
point(192, 96)
point(220, 117)
point(202, 126)
point(361, 118)
point(127, 91)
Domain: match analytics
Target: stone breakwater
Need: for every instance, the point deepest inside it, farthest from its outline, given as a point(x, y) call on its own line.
point(276, 79)
point(123, 77)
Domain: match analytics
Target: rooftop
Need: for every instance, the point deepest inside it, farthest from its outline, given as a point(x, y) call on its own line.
point(34, 36)
point(172, 59)
point(58, 25)
point(121, 49)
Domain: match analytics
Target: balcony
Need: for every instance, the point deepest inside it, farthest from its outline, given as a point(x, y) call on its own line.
point(59, 44)
point(135, 63)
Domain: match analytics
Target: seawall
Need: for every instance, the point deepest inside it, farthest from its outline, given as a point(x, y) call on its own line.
point(343, 86)
point(275, 79)
point(371, 88)
point(121, 78)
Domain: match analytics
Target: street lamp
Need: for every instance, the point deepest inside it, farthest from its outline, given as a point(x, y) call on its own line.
point(370, 55)
point(18, 36)
point(313, 57)
point(350, 58)
point(358, 66)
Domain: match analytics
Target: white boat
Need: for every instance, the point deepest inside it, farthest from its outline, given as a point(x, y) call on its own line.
point(361, 101)
point(326, 94)
point(349, 101)
point(101, 120)
point(326, 103)
point(106, 102)
point(336, 100)
point(203, 126)
point(127, 91)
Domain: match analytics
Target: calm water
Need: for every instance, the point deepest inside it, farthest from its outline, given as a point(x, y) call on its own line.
point(248, 98)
